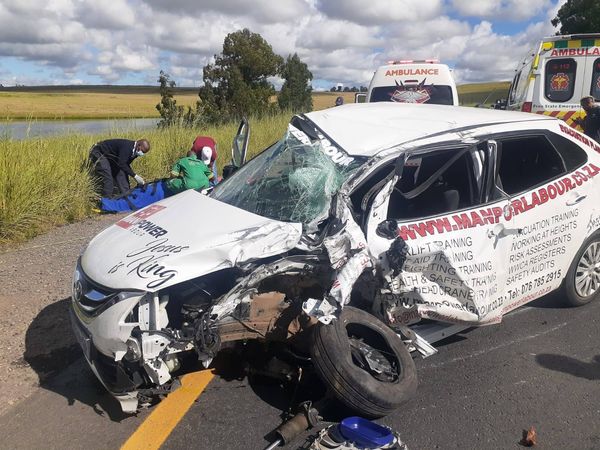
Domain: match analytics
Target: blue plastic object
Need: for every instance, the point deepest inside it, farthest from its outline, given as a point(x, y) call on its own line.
point(365, 433)
point(138, 198)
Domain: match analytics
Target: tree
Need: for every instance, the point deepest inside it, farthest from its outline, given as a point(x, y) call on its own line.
point(578, 16)
point(237, 83)
point(170, 112)
point(296, 91)
point(333, 89)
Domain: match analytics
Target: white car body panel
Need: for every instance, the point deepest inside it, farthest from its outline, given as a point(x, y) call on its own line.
point(180, 238)
point(475, 273)
point(367, 128)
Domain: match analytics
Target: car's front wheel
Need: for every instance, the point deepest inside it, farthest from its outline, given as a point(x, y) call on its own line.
point(364, 363)
point(582, 284)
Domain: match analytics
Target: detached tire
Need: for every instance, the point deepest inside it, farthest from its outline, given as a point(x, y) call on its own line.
point(360, 388)
point(582, 283)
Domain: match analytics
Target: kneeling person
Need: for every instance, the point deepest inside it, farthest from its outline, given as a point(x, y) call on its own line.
point(189, 173)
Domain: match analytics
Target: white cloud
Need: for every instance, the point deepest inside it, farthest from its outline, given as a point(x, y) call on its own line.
point(324, 35)
point(374, 12)
point(340, 41)
point(501, 9)
point(266, 11)
point(119, 15)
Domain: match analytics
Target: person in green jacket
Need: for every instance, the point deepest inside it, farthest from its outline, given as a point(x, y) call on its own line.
point(189, 173)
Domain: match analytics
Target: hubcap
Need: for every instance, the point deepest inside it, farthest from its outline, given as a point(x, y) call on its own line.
point(587, 276)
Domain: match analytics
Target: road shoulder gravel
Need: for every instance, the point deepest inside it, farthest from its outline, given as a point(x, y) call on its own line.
point(35, 288)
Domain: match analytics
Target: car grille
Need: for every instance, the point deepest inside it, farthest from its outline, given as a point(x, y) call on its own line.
point(89, 296)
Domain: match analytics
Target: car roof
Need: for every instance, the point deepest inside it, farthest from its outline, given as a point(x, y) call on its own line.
point(367, 128)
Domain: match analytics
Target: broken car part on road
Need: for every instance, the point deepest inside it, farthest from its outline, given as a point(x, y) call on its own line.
point(367, 232)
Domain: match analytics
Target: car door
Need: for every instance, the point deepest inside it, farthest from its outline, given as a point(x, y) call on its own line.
point(439, 234)
point(548, 181)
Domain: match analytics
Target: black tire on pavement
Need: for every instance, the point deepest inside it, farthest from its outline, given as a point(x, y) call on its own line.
point(352, 385)
point(584, 268)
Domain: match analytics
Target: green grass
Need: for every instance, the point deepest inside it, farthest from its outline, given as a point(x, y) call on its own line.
point(482, 93)
point(44, 181)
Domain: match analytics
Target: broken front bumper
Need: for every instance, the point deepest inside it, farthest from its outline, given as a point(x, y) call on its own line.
point(111, 373)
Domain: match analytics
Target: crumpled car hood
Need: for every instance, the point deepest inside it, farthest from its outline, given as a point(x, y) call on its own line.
point(180, 238)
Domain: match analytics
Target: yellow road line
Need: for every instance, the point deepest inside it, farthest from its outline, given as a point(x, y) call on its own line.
point(158, 425)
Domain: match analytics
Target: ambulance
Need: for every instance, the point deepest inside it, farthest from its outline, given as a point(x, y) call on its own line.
point(411, 81)
point(554, 76)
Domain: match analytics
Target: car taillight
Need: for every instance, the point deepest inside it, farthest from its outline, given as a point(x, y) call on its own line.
point(526, 107)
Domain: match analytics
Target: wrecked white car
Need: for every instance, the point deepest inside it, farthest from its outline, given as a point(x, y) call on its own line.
point(368, 231)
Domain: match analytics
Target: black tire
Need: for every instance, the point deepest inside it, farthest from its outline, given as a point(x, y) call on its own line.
point(352, 385)
point(578, 295)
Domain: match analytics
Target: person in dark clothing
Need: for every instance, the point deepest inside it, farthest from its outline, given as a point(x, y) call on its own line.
point(111, 161)
point(591, 123)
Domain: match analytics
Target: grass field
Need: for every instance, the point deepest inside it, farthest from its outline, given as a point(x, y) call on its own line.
point(44, 181)
point(479, 93)
point(83, 105)
point(126, 103)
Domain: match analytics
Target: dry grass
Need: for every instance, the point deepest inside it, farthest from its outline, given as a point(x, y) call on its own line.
point(56, 104)
point(83, 105)
point(322, 100)
point(478, 93)
point(109, 105)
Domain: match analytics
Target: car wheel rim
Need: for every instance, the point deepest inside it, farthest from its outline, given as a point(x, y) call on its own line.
point(587, 276)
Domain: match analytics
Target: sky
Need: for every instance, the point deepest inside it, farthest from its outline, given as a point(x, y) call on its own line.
point(57, 42)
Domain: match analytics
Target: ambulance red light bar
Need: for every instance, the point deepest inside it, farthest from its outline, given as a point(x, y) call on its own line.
point(414, 61)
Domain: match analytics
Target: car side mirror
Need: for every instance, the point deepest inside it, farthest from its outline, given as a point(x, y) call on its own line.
point(229, 170)
point(387, 229)
point(360, 97)
point(240, 144)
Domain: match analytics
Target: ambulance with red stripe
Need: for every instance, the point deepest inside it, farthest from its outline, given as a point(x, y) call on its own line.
point(412, 81)
point(553, 77)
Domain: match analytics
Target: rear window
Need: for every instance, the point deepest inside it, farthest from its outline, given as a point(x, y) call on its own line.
point(559, 83)
point(595, 89)
point(419, 93)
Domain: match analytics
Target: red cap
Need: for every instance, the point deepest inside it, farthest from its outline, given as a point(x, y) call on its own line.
point(205, 141)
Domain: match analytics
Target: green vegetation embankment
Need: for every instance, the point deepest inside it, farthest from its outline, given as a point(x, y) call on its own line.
point(44, 181)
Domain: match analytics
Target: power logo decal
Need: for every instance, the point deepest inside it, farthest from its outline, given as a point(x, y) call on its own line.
point(139, 216)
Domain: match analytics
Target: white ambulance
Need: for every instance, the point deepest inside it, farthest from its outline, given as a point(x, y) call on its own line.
point(410, 81)
point(554, 76)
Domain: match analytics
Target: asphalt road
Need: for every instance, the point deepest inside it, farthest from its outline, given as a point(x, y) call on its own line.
point(540, 368)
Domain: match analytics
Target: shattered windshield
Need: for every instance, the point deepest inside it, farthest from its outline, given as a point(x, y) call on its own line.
point(292, 181)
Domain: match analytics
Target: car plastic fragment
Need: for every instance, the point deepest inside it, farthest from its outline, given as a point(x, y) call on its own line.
point(320, 309)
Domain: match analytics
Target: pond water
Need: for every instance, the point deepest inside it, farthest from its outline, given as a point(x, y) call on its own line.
point(22, 129)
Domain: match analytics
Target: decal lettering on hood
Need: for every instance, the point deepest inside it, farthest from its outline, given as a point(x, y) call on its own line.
point(140, 216)
point(147, 262)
